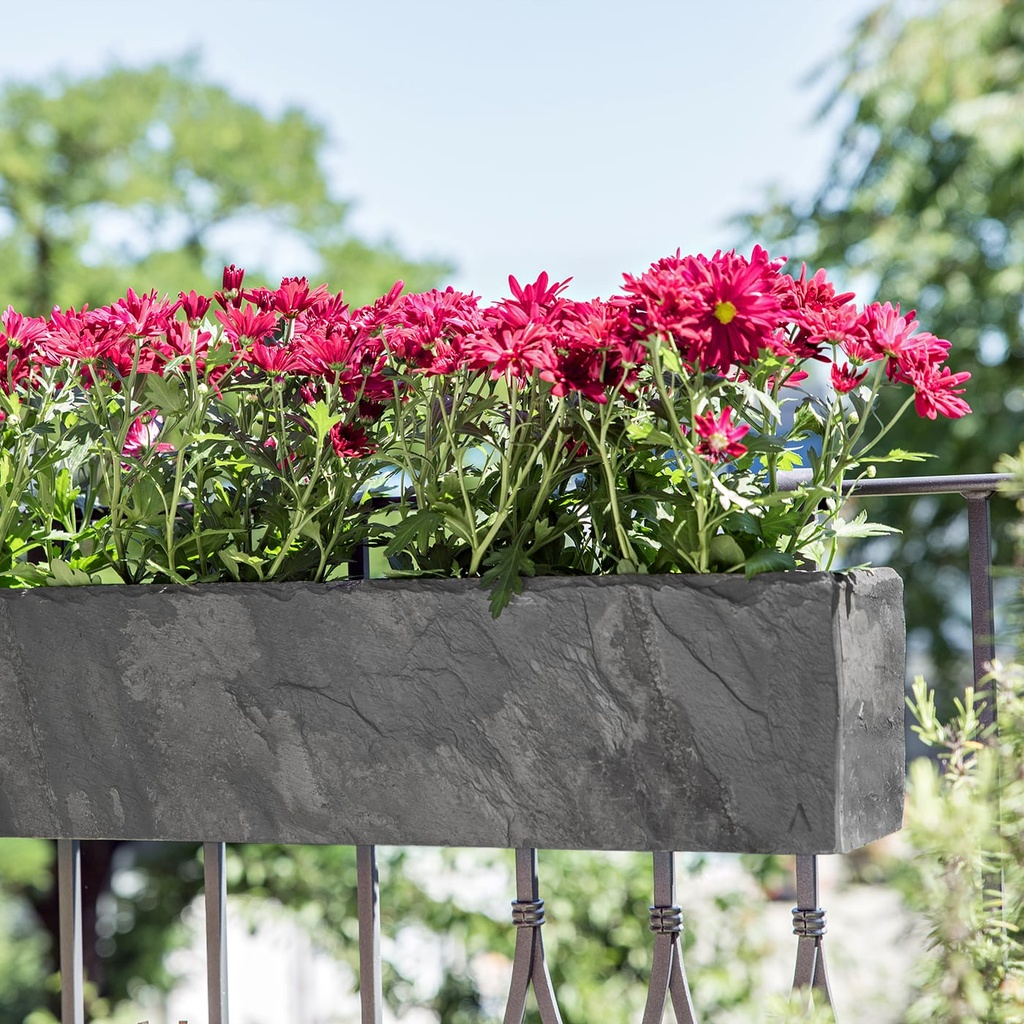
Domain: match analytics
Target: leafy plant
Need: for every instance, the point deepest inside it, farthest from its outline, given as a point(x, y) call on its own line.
point(924, 198)
point(965, 824)
point(147, 442)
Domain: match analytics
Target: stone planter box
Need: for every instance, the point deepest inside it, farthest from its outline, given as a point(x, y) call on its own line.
point(639, 713)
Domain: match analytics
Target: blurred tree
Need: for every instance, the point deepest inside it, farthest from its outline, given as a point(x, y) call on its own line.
point(143, 177)
point(924, 201)
point(140, 177)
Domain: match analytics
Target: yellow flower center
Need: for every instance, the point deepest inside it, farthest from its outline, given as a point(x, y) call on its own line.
point(724, 312)
point(718, 442)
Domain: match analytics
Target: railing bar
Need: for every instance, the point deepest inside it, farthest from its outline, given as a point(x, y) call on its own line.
point(809, 925)
point(519, 985)
point(658, 987)
point(529, 965)
point(69, 898)
point(371, 986)
point(806, 881)
point(543, 990)
point(215, 893)
point(668, 975)
point(664, 878)
point(527, 883)
point(527, 890)
point(979, 546)
point(359, 563)
point(679, 987)
point(970, 483)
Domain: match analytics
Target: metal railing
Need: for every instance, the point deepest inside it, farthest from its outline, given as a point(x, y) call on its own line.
point(668, 982)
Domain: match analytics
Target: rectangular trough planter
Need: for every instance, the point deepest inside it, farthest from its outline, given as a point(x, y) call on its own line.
point(626, 713)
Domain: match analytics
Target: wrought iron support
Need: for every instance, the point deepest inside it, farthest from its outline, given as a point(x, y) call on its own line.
point(668, 975)
point(979, 546)
point(371, 990)
point(809, 926)
point(69, 897)
point(359, 563)
point(215, 892)
point(528, 963)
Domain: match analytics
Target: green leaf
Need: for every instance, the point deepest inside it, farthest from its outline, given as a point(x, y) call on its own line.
point(745, 523)
point(648, 434)
point(768, 560)
point(233, 559)
point(164, 393)
point(900, 455)
point(504, 578)
point(726, 554)
point(858, 527)
point(789, 460)
point(310, 528)
point(321, 418)
point(66, 575)
point(414, 531)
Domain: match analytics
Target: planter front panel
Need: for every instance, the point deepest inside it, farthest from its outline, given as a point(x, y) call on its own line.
point(640, 713)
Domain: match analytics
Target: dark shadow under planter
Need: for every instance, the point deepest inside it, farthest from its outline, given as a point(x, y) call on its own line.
point(623, 713)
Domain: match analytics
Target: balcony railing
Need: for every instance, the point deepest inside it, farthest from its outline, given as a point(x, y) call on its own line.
point(668, 983)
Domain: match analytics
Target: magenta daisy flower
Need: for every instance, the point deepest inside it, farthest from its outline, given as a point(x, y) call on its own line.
point(719, 437)
point(720, 312)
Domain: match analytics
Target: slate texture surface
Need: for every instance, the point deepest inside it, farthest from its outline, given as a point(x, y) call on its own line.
point(630, 713)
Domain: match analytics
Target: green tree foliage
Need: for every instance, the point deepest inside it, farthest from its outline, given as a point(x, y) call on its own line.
point(24, 866)
point(925, 200)
point(965, 826)
point(147, 178)
point(141, 177)
point(965, 829)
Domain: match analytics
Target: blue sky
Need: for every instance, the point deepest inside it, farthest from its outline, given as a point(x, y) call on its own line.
point(581, 137)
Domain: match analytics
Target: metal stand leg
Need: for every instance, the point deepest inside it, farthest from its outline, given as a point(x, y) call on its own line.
point(811, 974)
point(371, 991)
point(528, 964)
point(216, 895)
point(69, 886)
point(668, 976)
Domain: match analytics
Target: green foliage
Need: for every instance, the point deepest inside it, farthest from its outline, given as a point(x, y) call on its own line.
point(925, 200)
point(25, 866)
point(135, 175)
point(965, 825)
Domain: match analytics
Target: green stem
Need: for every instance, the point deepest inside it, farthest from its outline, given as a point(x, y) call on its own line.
point(507, 492)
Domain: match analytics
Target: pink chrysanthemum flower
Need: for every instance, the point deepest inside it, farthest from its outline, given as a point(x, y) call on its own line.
point(241, 325)
point(592, 351)
point(719, 437)
point(290, 299)
point(142, 435)
point(508, 350)
point(231, 282)
point(426, 330)
point(194, 306)
point(19, 336)
point(720, 311)
point(140, 316)
point(350, 441)
point(845, 378)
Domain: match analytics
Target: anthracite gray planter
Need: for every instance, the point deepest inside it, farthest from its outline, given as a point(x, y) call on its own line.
point(624, 713)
